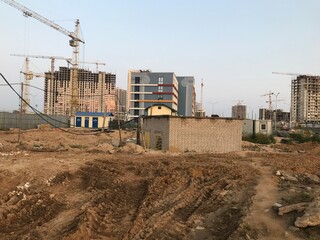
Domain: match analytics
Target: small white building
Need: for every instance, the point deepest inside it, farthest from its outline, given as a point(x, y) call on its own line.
point(91, 119)
point(256, 126)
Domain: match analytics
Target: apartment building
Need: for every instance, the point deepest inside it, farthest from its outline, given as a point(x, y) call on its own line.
point(96, 92)
point(305, 100)
point(146, 88)
point(186, 96)
point(121, 104)
point(239, 111)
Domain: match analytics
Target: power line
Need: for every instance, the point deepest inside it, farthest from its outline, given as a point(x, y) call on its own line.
point(38, 113)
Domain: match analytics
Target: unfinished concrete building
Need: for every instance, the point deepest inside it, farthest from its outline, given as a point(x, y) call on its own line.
point(305, 100)
point(121, 104)
point(239, 111)
point(96, 92)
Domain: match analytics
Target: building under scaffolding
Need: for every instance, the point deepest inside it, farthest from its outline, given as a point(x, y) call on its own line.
point(305, 100)
point(96, 92)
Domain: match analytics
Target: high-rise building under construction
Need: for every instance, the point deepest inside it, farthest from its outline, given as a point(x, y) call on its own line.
point(305, 100)
point(239, 111)
point(96, 92)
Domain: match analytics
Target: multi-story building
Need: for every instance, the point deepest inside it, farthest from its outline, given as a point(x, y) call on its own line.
point(96, 92)
point(121, 104)
point(239, 111)
point(186, 96)
point(305, 100)
point(281, 116)
point(146, 88)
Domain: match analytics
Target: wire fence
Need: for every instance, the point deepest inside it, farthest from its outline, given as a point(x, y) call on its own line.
point(30, 121)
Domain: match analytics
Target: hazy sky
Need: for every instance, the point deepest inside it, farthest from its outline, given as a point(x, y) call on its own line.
point(233, 45)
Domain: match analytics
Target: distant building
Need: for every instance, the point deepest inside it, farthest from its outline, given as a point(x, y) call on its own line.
point(186, 96)
point(239, 111)
point(282, 118)
point(199, 110)
point(146, 88)
point(305, 100)
point(181, 134)
point(251, 127)
point(96, 92)
point(265, 114)
point(121, 104)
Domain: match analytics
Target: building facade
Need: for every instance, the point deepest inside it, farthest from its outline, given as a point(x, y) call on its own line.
point(91, 120)
point(305, 100)
point(239, 111)
point(281, 116)
point(160, 109)
point(121, 104)
point(146, 88)
point(181, 134)
point(96, 92)
point(187, 96)
point(251, 127)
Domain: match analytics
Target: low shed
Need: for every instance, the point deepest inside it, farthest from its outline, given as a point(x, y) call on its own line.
point(180, 134)
point(92, 119)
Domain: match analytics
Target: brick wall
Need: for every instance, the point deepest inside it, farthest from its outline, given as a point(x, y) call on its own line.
point(205, 135)
point(179, 134)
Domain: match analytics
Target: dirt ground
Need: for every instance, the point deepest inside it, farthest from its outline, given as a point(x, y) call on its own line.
point(57, 185)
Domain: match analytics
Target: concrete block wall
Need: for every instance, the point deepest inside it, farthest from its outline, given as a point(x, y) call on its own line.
point(30, 121)
point(217, 135)
point(180, 134)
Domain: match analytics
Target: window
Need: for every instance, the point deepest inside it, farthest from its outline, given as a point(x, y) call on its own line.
point(263, 126)
point(136, 88)
point(136, 112)
point(160, 89)
point(136, 104)
point(137, 80)
point(136, 97)
point(160, 80)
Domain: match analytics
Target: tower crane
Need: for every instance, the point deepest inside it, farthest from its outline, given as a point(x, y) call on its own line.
point(73, 42)
point(294, 74)
point(29, 74)
point(270, 99)
point(53, 58)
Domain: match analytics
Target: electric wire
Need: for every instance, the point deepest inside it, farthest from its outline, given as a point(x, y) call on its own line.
point(56, 120)
point(39, 113)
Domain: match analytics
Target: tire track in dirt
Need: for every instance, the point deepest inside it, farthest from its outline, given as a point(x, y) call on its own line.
point(196, 197)
point(261, 218)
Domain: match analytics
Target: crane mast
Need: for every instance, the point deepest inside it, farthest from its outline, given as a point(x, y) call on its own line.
point(29, 75)
point(74, 43)
point(270, 99)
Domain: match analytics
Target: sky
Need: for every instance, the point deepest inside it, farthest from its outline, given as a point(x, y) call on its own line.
point(233, 46)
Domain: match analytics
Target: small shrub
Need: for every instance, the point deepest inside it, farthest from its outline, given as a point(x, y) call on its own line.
point(286, 140)
point(260, 138)
point(315, 138)
point(300, 138)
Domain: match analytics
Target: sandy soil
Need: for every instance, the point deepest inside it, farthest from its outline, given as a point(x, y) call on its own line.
point(57, 185)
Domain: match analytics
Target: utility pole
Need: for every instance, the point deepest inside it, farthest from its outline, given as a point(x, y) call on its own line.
point(275, 118)
point(20, 116)
point(118, 116)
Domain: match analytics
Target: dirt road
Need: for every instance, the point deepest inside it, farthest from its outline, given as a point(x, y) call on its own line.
point(56, 185)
